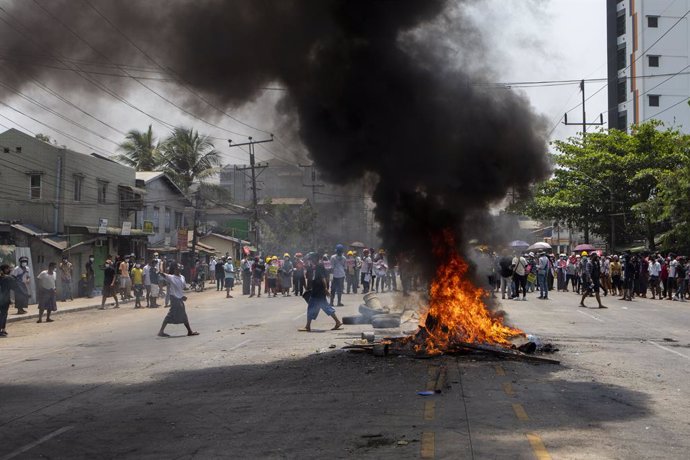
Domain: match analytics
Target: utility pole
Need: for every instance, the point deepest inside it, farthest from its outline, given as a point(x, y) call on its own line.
point(313, 187)
point(253, 167)
point(584, 123)
point(195, 225)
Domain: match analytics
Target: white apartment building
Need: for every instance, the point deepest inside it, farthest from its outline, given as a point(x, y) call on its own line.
point(648, 62)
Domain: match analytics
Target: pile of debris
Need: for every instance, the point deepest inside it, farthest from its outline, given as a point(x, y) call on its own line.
point(372, 312)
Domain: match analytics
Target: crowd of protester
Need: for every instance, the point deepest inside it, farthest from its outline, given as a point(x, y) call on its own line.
point(628, 275)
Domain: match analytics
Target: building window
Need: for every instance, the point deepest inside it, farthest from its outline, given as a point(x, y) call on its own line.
point(167, 220)
point(623, 121)
point(654, 100)
point(653, 22)
point(6, 149)
point(653, 61)
point(35, 187)
point(620, 58)
point(620, 25)
point(156, 215)
point(19, 150)
point(102, 191)
point(78, 183)
point(179, 223)
point(622, 91)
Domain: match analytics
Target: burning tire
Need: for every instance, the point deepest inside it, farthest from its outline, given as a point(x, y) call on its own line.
point(359, 319)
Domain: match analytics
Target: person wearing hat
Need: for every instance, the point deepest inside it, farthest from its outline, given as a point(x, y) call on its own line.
point(285, 273)
point(591, 278)
point(350, 272)
point(23, 292)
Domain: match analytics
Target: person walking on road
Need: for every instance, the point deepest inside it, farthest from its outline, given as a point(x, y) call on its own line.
point(177, 313)
point(298, 275)
point(137, 275)
point(591, 279)
point(47, 292)
point(7, 283)
point(285, 273)
point(319, 300)
point(246, 267)
point(219, 274)
point(519, 277)
point(109, 288)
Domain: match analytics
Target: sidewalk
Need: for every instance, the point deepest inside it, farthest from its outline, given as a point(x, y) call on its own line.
point(84, 303)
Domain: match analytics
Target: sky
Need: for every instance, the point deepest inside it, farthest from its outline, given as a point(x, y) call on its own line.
point(529, 40)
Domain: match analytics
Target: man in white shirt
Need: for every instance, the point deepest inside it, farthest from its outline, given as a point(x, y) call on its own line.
point(47, 289)
point(519, 277)
point(338, 262)
point(177, 313)
point(654, 272)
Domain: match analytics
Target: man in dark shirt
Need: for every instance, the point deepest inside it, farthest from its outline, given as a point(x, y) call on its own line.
point(90, 277)
point(109, 288)
point(7, 283)
point(258, 270)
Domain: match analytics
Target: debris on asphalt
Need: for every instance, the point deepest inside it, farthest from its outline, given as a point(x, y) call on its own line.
point(426, 393)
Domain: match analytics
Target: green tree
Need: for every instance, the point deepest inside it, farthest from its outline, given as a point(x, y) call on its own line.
point(189, 158)
point(140, 150)
point(613, 179)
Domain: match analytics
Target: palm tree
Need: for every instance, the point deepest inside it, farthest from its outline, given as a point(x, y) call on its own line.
point(141, 151)
point(189, 158)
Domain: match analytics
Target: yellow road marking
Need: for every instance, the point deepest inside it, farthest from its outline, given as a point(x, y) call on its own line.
point(508, 389)
point(499, 370)
point(429, 410)
point(520, 412)
point(431, 383)
point(538, 446)
point(428, 447)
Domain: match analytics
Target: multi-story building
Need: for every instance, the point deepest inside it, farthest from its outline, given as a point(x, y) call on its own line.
point(344, 213)
point(648, 62)
point(56, 202)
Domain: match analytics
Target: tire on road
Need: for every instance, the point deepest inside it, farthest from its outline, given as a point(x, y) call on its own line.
point(359, 319)
point(385, 321)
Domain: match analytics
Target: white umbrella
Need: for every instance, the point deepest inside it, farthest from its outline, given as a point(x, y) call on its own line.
point(539, 245)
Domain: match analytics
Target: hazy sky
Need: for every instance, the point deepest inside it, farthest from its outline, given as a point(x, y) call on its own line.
point(529, 40)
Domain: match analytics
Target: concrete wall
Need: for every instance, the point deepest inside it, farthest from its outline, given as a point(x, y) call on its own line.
point(162, 195)
point(35, 156)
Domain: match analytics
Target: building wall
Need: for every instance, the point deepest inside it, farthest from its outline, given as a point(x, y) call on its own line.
point(160, 194)
point(670, 42)
point(21, 155)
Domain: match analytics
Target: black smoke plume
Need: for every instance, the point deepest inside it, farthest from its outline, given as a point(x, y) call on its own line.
point(392, 87)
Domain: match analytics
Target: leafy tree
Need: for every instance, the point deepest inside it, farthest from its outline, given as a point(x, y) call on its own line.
point(140, 150)
point(46, 138)
point(613, 179)
point(189, 158)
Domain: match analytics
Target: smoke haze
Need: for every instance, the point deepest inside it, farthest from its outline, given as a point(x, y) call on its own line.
point(393, 88)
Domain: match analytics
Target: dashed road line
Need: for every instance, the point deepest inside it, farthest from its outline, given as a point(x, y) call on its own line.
point(429, 410)
point(538, 446)
point(669, 350)
point(39, 441)
point(428, 448)
point(520, 412)
point(591, 316)
point(508, 389)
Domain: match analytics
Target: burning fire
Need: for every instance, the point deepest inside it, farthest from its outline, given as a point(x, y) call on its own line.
point(457, 311)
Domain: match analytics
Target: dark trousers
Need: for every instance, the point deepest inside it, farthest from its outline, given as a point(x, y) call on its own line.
point(365, 284)
point(520, 281)
point(351, 284)
point(298, 285)
point(337, 288)
point(246, 282)
point(4, 309)
point(220, 279)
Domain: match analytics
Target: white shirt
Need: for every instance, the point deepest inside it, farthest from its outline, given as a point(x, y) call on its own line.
point(176, 285)
point(46, 280)
point(654, 268)
point(338, 264)
point(672, 268)
point(147, 275)
point(520, 264)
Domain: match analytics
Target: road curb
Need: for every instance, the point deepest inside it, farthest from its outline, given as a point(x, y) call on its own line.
point(17, 318)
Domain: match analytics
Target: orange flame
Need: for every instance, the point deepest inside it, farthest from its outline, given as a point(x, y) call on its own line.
point(457, 311)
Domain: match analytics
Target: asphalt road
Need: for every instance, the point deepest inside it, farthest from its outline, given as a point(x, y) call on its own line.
point(100, 384)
